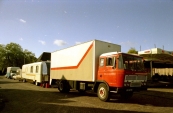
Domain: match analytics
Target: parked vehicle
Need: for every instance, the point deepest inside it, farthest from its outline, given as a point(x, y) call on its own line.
point(18, 74)
point(11, 71)
point(98, 66)
point(37, 72)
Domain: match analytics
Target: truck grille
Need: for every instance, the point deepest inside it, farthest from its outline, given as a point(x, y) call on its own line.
point(135, 77)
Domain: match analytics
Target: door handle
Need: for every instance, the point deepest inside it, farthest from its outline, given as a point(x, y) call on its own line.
point(100, 75)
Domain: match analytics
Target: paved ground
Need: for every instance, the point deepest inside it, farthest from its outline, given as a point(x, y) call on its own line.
point(18, 97)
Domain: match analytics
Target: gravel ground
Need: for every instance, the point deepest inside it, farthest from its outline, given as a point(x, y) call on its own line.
point(18, 97)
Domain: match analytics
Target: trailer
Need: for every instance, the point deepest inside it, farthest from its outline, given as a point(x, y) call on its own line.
point(11, 71)
point(98, 66)
point(38, 72)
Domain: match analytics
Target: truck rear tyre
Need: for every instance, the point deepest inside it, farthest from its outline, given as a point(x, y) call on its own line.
point(63, 86)
point(103, 92)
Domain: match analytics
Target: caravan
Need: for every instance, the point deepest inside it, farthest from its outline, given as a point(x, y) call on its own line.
point(38, 72)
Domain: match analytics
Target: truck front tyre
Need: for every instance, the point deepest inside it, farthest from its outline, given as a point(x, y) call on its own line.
point(63, 86)
point(103, 92)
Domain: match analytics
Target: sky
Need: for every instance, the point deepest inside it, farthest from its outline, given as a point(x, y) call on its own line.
point(49, 25)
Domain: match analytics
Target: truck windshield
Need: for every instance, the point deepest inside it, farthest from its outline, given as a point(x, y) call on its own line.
point(130, 62)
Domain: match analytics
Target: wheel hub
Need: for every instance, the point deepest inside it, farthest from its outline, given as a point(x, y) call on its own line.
point(102, 92)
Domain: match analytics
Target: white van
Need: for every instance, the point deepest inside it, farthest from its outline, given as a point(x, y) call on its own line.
point(38, 72)
point(11, 71)
point(18, 74)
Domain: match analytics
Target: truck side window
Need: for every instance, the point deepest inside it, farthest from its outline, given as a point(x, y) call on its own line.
point(109, 62)
point(102, 62)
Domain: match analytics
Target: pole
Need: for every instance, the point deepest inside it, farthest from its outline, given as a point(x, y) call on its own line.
point(151, 67)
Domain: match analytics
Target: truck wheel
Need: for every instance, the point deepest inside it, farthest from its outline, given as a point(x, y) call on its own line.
point(103, 92)
point(126, 95)
point(63, 86)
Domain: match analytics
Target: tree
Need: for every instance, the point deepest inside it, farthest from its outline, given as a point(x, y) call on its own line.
point(132, 51)
point(12, 55)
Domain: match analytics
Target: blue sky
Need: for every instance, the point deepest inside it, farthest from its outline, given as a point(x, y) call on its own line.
point(50, 25)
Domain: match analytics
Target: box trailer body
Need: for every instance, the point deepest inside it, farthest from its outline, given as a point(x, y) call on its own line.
point(11, 71)
point(38, 72)
point(98, 66)
point(79, 62)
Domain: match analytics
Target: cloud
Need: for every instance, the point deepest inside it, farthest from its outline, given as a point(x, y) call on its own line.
point(21, 39)
point(77, 43)
point(21, 20)
point(42, 42)
point(59, 42)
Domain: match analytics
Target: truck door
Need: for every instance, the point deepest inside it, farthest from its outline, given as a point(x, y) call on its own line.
point(107, 72)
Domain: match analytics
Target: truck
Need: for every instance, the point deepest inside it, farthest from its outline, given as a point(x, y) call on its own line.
point(37, 72)
point(99, 66)
point(11, 71)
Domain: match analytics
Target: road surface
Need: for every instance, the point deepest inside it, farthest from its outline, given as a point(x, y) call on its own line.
point(18, 97)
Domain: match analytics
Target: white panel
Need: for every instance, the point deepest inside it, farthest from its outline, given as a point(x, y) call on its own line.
point(70, 56)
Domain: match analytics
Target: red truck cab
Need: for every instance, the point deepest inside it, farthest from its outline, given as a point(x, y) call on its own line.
point(121, 73)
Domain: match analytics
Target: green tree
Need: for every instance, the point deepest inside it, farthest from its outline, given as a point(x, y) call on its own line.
point(132, 51)
point(13, 55)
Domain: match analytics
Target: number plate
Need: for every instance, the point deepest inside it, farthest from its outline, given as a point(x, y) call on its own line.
point(129, 89)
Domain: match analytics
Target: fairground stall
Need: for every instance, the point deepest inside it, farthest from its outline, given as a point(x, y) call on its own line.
point(159, 63)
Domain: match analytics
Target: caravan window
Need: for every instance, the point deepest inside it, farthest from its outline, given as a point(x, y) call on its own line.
point(37, 69)
point(31, 69)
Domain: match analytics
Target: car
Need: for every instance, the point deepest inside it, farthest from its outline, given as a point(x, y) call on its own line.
point(17, 75)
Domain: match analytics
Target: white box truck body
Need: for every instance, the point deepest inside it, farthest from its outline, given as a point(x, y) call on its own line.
point(80, 62)
point(38, 72)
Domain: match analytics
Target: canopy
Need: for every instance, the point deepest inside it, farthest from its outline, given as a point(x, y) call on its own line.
point(160, 58)
point(45, 56)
